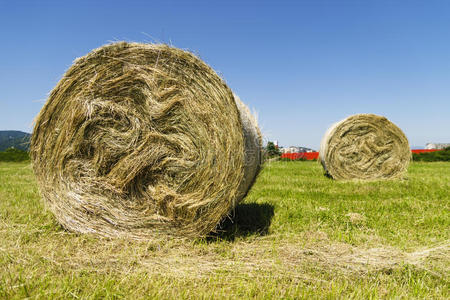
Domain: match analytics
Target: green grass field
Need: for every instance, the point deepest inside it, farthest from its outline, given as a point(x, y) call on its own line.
point(297, 235)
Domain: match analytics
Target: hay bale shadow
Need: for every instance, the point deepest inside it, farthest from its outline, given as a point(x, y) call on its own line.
point(247, 219)
point(327, 175)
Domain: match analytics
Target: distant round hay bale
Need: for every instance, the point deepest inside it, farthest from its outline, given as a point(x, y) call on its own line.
point(141, 140)
point(365, 146)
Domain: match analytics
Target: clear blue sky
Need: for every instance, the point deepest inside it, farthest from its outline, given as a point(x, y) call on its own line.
point(302, 65)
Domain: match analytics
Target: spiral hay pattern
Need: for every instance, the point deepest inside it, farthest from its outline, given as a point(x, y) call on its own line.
point(365, 146)
point(141, 140)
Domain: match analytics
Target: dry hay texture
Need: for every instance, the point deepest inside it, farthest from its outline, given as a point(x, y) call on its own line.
point(143, 140)
point(365, 146)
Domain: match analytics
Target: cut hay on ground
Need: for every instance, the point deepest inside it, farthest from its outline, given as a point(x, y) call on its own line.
point(141, 140)
point(365, 146)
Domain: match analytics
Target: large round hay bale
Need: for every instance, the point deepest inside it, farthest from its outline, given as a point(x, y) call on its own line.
point(365, 146)
point(141, 140)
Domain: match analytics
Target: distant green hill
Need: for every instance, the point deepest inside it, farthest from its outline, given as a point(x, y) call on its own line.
point(12, 138)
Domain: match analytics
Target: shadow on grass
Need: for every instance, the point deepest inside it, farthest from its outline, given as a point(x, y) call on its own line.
point(327, 175)
point(246, 219)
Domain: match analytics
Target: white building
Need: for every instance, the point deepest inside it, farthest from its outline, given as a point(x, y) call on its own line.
point(295, 149)
point(437, 145)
